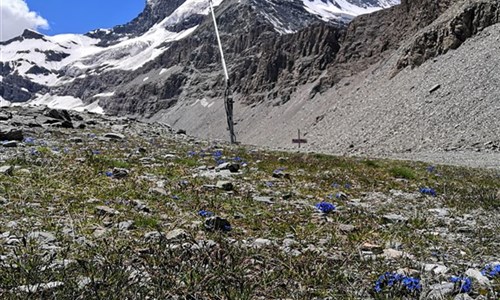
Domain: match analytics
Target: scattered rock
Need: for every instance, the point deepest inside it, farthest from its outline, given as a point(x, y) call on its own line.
point(346, 228)
point(42, 237)
point(10, 134)
point(106, 211)
point(114, 136)
point(126, 225)
point(259, 243)
point(120, 173)
point(176, 235)
point(395, 218)
point(436, 269)
point(478, 277)
point(263, 199)
point(6, 170)
point(36, 288)
point(9, 144)
point(225, 185)
point(440, 291)
point(217, 223)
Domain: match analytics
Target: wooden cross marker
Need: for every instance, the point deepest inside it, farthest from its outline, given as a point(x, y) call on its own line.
point(299, 140)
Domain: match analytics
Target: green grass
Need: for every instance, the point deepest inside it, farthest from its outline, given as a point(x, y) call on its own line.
point(62, 191)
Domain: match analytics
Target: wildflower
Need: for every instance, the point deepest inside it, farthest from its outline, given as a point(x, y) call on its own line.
point(431, 169)
point(464, 283)
point(428, 191)
point(237, 159)
point(205, 213)
point(269, 184)
point(348, 186)
point(109, 174)
point(96, 152)
point(217, 154)
point(335, 185)
point(29, 140)
point(325, 207)
point(491, 271)
point(33, 151)
point(191, 153)
point(393, 280)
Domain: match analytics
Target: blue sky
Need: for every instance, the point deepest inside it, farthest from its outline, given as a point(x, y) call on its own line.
point(80, 16)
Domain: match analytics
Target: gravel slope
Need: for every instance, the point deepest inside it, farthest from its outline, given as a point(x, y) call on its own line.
point(373, 114)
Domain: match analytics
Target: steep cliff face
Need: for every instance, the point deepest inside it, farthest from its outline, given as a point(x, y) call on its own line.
point(450, 31)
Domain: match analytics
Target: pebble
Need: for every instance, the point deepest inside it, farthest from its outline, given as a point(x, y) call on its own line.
point(225, 185)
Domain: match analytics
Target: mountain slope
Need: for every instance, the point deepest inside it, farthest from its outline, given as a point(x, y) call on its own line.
point(128, 47)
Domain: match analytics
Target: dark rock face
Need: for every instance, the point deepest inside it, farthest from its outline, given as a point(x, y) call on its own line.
point(154, 12)
point(371, 38)
point(450, 34)
point(15, 88)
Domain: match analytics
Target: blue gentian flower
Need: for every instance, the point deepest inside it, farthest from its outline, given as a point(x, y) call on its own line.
point(237, 159)
point(431, 169)
point(335, 185)
point(29, 140)
point(269, 184)
point(348, 186)
point(325, 207)
point(428, 191)
point(393, 280)
point(109, 173)
point(175, 197)
point(33, 151)
point(491, 271)
point(205, 213)
point(191, 153)
point(96, 152)
point(464, 282)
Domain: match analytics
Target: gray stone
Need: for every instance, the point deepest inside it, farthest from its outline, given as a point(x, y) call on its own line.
point(106, 211)
point(478, 277)
point(11, 134)
point(436, 269)
point(346, 227)
point(463, 297)
point(6, 170)
point(3, 201)
point(36, 288)
point(218, 224)
point(263, 199)
point(42, 237)
point(120, 173)
point(225, 185)
point(76, 140)
point(440, 291)
point(395, 218)
point(126, 225)
point(114, 136)
point(259, 243)
point(9, 144)
point(152, 235)
point(176, 235)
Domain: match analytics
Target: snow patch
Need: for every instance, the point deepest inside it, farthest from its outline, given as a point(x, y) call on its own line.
point(65, 102)
point(203, 102)
point(336, 9)
point(163, 71)
point(145, 79)
point(3, 102)
point(109, 94)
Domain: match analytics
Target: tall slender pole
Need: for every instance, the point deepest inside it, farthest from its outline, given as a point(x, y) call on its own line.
point(228, 100)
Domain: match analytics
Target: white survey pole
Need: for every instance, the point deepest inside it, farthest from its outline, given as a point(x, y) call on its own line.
point(218, 41)
point(228, 98)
